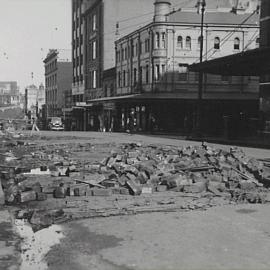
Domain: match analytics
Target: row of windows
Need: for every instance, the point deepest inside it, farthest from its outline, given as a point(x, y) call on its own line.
point(77, 22)
point(78, 78)
point(216, 45)
point(78, 61)
point(51, 95)
point(50, 67)
point(160, 42)
point(77, 41)
point(51, 81)
point(133, 50)
point(124, 78)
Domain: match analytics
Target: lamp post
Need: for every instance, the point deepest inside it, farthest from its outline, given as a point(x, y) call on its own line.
point(201, 5)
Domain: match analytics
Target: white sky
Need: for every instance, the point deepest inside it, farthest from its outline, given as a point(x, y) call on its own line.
point(28, 29)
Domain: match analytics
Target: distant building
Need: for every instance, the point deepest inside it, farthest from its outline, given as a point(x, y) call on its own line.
point(9, 93)
point(41, 97)
point(58, 79)
point(31, 93)
point(8, 87)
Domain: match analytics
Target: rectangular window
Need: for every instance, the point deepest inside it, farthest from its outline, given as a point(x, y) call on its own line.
point(147, 47)
point(119, 79)
point(94, 49)
point(147, 74)
point(132, 50)
point(157, 40)
point(135, 75)
point(122, 54)
point(157, 72)
point(94, 22)
point(128, 78)
point(140, 75)
point(183, 75)
point(94, 79)
point(163, 40)
point(124, 78)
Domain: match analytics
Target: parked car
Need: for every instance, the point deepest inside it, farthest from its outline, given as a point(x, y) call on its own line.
point(56, 124)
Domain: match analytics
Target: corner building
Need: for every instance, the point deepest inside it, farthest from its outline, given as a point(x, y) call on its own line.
point(156, 92)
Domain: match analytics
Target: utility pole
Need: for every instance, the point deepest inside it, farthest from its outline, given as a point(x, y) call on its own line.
point(201, 7)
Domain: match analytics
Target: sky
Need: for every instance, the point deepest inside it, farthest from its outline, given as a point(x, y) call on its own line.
point(28, 29)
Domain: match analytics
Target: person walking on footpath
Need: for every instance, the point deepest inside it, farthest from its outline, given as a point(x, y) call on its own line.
point(34, 126)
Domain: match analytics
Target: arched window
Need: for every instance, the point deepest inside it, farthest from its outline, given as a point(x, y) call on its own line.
point(180, 42)
point(217, 43)
point(236, 45)
point(188, 43)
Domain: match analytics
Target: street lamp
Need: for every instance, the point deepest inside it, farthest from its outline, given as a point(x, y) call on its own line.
point(201, 7)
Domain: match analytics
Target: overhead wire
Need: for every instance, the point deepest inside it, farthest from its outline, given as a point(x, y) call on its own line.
point(182, 5)
point(251, 39)
point(226, 38)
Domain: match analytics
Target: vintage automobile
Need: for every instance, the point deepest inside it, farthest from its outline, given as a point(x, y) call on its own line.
point(56, 124)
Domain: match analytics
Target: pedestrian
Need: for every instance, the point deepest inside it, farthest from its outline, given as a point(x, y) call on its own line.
point(34, 126)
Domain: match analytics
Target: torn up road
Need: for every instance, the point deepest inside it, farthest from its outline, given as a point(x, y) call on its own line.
point(47, 183)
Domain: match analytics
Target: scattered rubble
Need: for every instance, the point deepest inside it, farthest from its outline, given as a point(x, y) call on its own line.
point(32, 173)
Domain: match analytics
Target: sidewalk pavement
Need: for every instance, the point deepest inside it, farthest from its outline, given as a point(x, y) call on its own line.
point(9, 242)
point(256, 141)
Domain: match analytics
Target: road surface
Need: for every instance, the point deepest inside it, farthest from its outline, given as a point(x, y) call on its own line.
point(227, 237)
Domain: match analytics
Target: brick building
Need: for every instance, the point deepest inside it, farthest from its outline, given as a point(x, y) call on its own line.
point(58, 79)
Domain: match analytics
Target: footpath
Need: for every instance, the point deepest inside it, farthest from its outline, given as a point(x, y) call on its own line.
point(9, 242)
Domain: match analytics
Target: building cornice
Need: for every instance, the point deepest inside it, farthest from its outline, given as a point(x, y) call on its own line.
point(174, 24)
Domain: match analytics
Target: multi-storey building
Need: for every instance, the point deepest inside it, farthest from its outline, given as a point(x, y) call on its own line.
point(40, 97)
point(152, 75)
point(78, 82)
point(96, 24)
point(58, 79)
point(9, 93)
point(105, 21)
point(265, 79)
point(95, 27)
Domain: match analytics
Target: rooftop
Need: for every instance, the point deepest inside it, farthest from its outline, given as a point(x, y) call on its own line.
point(221, 18)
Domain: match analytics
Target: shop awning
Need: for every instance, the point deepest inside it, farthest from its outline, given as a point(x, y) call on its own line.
point(91, 102)
point(188, 95)
point(249, 63)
